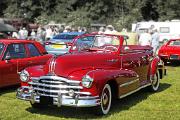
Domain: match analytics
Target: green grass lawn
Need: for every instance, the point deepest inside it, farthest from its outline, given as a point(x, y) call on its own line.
point(143, 105)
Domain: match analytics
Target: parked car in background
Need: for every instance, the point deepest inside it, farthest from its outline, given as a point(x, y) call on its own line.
point(98, 69)
point(61, 43)
point(170, 51)
point(16, 55)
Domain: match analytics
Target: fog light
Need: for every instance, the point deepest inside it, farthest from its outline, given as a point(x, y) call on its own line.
point(71, 93)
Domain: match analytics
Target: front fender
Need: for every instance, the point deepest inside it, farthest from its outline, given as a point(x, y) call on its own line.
point(103, 76)
point(34, 71)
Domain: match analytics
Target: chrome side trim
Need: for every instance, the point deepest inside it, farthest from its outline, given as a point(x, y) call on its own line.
point(128, 83)
point(122, 96)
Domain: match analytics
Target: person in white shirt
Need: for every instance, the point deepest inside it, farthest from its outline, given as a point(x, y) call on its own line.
point(49, 33)
point(145, 38)
point(110, 30)
point(15, 35)
point(155, 41)
point(33, 34)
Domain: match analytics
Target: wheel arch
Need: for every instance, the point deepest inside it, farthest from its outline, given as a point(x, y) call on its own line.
point(114, 88)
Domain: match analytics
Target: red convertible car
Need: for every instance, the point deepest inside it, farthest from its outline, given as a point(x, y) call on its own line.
point(97, 69)
point(170, 51)
point(16, 55)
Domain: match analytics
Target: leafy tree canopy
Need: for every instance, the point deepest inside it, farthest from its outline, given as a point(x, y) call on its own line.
point(120, 13)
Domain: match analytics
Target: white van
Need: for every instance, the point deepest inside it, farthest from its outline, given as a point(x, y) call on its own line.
point(167, 30)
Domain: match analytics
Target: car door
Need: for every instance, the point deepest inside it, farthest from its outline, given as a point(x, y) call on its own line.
point(13, 61)
point(34, 55)
point(136, 60)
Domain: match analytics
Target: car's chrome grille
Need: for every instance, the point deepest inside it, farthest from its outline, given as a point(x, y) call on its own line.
point(53, 85)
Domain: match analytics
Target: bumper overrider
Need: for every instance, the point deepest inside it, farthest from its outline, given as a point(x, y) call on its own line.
point(56, 91)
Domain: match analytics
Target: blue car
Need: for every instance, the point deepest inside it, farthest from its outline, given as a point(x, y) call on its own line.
point(61, 43)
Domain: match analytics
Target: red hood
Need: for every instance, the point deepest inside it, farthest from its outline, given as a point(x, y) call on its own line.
point(69, 63)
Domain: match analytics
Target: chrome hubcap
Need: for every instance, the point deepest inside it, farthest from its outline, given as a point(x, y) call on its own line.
point(105, 99)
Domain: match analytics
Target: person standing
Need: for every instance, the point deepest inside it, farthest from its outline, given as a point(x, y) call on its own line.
point(145, 38)
point(155, 41)
point(25, 33)
point(101, 30)
point(49, 33)
point(110, 30)
point(33, 34)
point(20, 33)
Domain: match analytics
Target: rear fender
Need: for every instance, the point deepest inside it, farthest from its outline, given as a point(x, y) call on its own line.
point(154, 65)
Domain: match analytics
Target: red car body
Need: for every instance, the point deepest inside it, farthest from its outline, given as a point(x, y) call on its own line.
point(170, 51)
point(92, 74)
point(15, 55)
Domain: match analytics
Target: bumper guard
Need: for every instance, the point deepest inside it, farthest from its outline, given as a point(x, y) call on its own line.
point(26, 93)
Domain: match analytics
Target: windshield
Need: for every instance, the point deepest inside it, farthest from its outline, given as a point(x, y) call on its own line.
point(97, 43)
point(65, 37)
point(1, 48)
point(175, 43)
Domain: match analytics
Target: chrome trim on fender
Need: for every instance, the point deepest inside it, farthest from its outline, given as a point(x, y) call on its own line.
point(122, 96)
point(128, 83)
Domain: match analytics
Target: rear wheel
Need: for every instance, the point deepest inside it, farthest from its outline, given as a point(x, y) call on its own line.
point(106, 98)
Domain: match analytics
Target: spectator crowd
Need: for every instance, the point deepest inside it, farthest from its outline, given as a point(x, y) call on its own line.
point(44, 33)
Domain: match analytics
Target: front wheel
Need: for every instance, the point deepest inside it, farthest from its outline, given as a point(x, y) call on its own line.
point(154, 83)
point(106, 98)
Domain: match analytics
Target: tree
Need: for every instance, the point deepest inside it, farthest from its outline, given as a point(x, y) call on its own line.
point(168, 9)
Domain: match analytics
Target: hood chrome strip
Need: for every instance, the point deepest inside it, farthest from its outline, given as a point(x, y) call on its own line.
point(52, 65)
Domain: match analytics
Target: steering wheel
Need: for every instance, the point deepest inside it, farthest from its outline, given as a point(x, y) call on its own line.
point(110, 48)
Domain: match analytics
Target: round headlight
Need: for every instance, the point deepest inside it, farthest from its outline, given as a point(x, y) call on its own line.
point(87, 81)
point(24, 76)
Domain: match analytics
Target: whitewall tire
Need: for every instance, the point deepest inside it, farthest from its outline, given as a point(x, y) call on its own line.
point(106, 98)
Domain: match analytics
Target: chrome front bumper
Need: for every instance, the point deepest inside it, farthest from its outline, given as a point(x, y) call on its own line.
point(26, 93)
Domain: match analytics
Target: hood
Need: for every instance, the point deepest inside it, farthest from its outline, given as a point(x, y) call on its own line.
point(67, 64)
point(172, 49)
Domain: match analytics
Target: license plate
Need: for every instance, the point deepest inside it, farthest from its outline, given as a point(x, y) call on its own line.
point(174, 57)
point(58, 46)
point(46, 100)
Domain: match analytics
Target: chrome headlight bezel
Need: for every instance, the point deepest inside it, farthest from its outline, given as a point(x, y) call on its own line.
point(24, 76)
point(87, 81)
